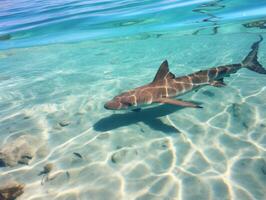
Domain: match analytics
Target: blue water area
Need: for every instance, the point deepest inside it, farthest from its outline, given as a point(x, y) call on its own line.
point(61, 61)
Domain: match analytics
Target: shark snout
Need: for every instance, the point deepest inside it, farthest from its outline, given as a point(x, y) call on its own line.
point(112, 105)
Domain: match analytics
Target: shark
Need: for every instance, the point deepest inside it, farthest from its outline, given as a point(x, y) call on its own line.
point(165, 86)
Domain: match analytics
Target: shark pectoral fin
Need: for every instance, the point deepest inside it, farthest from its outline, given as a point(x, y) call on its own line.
point(218, 83)
point(177, 102)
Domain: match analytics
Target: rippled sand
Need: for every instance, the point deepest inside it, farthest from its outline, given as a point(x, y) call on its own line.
point(54, 95)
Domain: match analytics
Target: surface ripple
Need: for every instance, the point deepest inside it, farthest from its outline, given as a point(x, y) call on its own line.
point(30, 23)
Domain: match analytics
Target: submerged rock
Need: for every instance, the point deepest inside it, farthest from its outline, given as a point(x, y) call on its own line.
point(118, 156)
point(64, 123)
point(11, 191)
point(47, 169)
point(78, 155)
point(256, 24)
point(5, 37)
point(19, 151)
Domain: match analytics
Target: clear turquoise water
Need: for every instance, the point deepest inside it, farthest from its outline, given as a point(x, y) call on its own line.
point(60, 61)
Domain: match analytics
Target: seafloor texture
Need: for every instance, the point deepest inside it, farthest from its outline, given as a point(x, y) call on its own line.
point(60, 143)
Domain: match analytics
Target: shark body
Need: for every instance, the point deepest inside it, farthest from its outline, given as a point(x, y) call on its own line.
point(165, 86)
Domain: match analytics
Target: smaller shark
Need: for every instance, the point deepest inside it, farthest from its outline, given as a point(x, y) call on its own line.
point(165, 86)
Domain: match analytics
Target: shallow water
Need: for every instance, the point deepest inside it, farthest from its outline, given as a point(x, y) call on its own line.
point(60, 62)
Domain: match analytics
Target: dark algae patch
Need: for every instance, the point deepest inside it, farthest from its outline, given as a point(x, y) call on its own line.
point(11, 192)
point(78, 155)
point(5, 37)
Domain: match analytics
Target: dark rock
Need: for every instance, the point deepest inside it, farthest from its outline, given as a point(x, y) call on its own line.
point(11, 191)
point(47, 169)
point(78, 155)
point(118, 156)
point(2, 163)
point(64, 123)
point(5, 37)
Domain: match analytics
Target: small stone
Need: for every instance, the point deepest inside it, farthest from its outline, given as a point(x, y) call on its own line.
point(47, 169)
point(64, 123)
point(78, 155)
point(118, 156)
point(26, 117)
point(11, 192)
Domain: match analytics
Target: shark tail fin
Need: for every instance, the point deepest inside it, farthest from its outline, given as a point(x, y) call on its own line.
point(251, 61)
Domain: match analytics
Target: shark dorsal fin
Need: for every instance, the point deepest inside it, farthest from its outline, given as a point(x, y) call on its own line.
point(163, 72)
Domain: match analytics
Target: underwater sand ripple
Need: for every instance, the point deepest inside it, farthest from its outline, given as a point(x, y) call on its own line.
point(163, 153)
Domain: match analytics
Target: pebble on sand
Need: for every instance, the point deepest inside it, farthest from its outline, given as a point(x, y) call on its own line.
point(64, 123)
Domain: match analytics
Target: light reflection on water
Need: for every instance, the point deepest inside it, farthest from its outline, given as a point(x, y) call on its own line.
point(32, 23)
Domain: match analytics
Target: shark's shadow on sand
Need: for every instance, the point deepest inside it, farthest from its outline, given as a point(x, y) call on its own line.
point(149, 116)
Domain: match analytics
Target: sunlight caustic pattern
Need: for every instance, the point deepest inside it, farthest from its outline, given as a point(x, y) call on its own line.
point(58, 141)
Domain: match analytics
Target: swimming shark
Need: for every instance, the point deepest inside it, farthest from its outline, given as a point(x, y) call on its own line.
point(165, 86)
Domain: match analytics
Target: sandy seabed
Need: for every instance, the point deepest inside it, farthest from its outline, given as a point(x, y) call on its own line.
point(60, 143)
